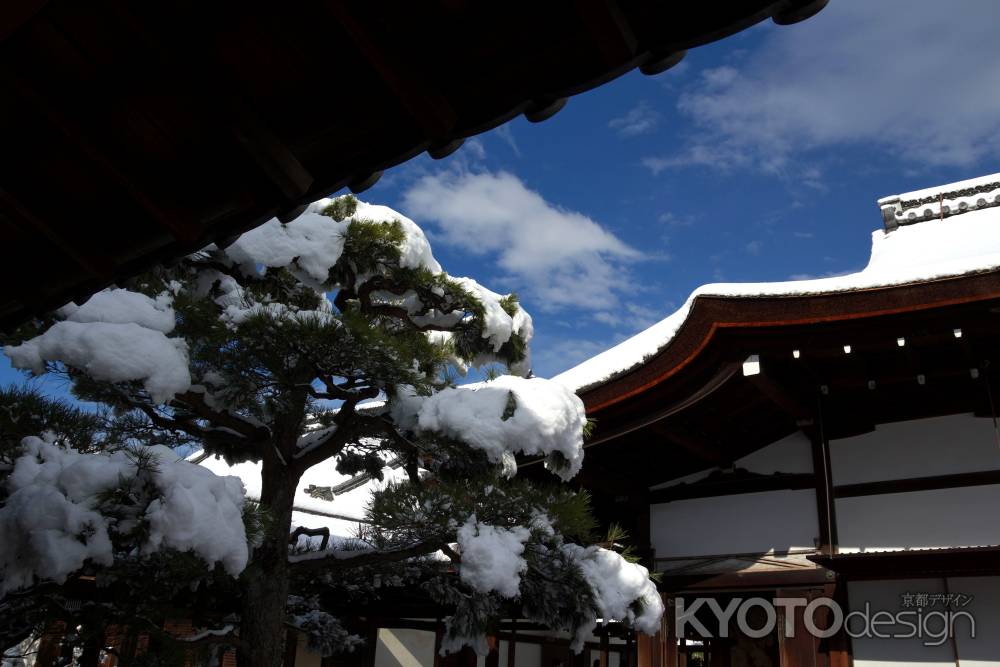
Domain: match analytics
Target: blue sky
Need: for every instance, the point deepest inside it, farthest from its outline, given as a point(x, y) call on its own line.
point(758, 158)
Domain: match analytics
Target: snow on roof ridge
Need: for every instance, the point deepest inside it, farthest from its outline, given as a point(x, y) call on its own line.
point(940, 201)
point(908, 254)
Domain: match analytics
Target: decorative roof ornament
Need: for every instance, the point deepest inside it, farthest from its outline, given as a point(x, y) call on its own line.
point(940, 202)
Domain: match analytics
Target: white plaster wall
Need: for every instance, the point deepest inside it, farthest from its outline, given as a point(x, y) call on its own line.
point(919, 448)
point(304, 657)
point(894, 652)
point(525, 655)
point(960, 517)
point(790, 454)
point(984, 649)
point(743, 523)
point(404, 648)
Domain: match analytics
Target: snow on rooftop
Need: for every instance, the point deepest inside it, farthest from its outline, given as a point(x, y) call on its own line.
point(940, 201)
point(936, 248)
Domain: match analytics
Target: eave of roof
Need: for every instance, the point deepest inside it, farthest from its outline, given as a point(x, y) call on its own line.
point(130, 146)
point(911, 267)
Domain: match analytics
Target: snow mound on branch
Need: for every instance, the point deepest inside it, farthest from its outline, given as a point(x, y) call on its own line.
point(116, 352)
point(117, 336)
point(416, 250)
point(312, 243)
point(52, 520)
point(498, 326)
point(120, 306)
point(491, 557)
point(503, 417)
point(619, 588)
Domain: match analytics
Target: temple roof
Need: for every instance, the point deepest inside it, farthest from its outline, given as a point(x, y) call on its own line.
point(965, 242)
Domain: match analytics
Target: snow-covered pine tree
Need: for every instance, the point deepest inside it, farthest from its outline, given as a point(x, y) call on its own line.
point(341, 318)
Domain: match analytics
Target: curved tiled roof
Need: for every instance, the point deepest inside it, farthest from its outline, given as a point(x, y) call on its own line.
point(935, 250)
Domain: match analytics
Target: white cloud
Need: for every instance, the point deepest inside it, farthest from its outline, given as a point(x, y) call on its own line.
point(672, 219)
point(474, 149)
point(641, 119)
point(553, 356)
point(753, 248)
point(719, 156)
point(507, 135)
point(558, 258)
point(918, 80)
point(631, 317)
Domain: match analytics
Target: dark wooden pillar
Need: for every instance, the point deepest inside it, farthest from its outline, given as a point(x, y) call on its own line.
point(438, 635)
point(825, 508)
point(512, 644)
point(669, 639)
point(291, 648)
point(605, 661)
point(493, 657)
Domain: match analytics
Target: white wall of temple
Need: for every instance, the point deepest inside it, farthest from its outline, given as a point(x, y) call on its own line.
point(404, 648)
point(918, 448)
point(962, 517)
point(792, 454)
point(974, 641)
point(742, 523)
point(415, 648)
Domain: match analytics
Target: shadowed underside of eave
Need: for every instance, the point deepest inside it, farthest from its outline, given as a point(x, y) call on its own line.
point(691, 407)
point(137, 132)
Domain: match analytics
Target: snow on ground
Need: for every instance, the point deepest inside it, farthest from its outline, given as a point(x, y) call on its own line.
point(491, 557)
point(934, 249)
point(503, 417)
point(52, 521)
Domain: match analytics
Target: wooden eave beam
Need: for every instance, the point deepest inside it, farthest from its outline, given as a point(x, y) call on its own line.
point(610, 30)
point(751, 483)
point(776, 391)
point(691, 443)
point(77, 137)
point(429, 110)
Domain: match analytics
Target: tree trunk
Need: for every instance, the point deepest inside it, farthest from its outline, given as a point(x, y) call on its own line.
point(265, 581)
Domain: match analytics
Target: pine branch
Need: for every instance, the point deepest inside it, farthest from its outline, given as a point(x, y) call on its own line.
point(342, 560)
point(195, 401)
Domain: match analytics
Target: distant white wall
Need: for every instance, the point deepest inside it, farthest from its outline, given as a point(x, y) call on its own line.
point(791, 454)
point(982, 650)
point(525, 655)
point(304, 657)
point(960, 517)
point(404, 648)
point(919, 448)
point(894, 652)
point(743, 523)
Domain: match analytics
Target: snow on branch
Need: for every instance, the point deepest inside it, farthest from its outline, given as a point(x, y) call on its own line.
point(57, 515)
point(503, 417)
point(492, 557)
point(349, 558)
point(622, 590)
point(117, 336)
